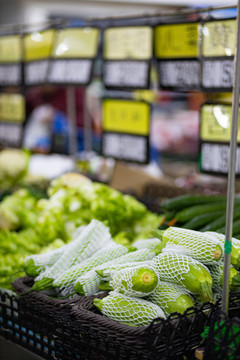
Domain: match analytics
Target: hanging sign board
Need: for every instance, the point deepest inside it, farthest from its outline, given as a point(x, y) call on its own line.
point(37, 51)
point(215, 134)
point(72, 56)
point(177, 51)
point(127, 53)
point(10, 60)
point(126, 130)
point(218, 48)
point(12, 116)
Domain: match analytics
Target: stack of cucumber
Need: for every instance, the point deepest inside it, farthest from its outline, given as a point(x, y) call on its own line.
point(175, 269)
point(200, 212)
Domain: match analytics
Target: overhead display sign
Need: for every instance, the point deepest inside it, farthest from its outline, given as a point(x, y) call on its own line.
point(72, 56)
point(218, 48)
point(177, 52)
point(127, 53)
point(12, 116)
point(126, 126)
point(215, 134)
point(10, 60)
point(37, 50)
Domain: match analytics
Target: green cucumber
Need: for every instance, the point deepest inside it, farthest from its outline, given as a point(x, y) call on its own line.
point(193, 211)
point(235, 228)
point(220, 221)
point(184, 201)
point(201, 220)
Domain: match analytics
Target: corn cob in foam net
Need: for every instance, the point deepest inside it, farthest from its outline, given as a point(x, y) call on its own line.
point(185, 272)
point(128, 310)
point(67, 279)
point(153, 244)
point(171, 298)
point(192, 243)
point(34, 264)
point(92, 238)
point(137, 281)
point(235, 253)
point(88, 284)
point(217, 276)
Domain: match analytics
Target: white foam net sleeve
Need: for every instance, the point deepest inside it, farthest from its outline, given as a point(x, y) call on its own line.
point(130, 310)
point(92, 238)
point(124, 280)
point(221, 238)
point(89, 282)
point(167, 292)
point(170, 267)
point(194, 244)
point(147, 243)
point(110, 271)
point(68, 278)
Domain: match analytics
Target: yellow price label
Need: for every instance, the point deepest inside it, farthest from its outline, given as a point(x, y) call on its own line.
point(126, 116)
point(10, 49)
point(177, 41)
point(216, 123)
point(38, 45)
point(219, 38)
point(76, 43)
point(128, 43)
point(12, 107)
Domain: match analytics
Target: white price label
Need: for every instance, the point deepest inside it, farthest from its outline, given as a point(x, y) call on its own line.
point(126, 147)
point(70, 71)
point(10, 134)
point(36, 72)
point(10, 74)
point(180, 73)
point(215, 158)
point(217, 73)
point(126, 74)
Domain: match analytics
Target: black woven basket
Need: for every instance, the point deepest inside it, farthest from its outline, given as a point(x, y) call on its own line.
point(92, 336)
point(15, 326)
point(223, 341)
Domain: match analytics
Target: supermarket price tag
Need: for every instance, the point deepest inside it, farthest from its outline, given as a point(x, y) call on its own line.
point(126, 74)
point(125, 116)
point(10, 58)
point(126, 147)
point(70, 71)
point(214, 158)
point(175, 41)
point(37, 51)
point(217, 74)
point(128, 42)
point(126, 130)
point(76, 43)
point(181, 74)
point(219, 38)
point(215, 123)
point(72, 56)
point(35, 72)
point(11, 134)
point(12, 108)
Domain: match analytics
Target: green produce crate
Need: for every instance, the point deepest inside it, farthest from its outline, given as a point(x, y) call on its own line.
point(223, 341)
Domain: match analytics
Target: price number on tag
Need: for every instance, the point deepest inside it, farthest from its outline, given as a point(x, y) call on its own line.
point(215, 158)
